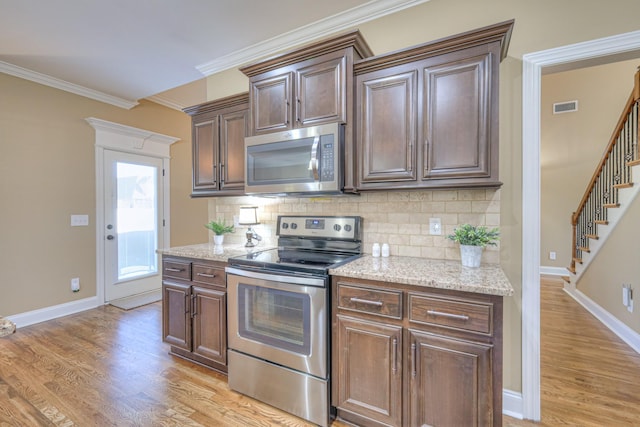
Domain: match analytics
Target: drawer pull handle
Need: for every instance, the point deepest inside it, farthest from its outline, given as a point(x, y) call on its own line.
point(176, 270)
point(365, 301)
point(449, 315)
point(211, 276)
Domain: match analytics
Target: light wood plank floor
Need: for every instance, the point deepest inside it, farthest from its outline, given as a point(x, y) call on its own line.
point(109, 367)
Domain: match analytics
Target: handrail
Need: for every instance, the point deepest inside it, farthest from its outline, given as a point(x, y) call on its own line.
point(604, 171)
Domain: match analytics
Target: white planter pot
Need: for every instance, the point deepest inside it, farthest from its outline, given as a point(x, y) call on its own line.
point(218, 239)
point(471, 255)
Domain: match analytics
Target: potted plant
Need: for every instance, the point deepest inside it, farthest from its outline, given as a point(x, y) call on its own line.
point(472, 241)
point(219, 228)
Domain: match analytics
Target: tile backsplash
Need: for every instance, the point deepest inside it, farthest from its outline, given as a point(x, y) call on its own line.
point(399, 218)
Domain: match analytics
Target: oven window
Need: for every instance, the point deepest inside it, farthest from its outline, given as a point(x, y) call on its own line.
point(276, 318)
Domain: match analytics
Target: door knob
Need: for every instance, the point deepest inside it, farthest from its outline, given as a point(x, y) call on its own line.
point(109, 237)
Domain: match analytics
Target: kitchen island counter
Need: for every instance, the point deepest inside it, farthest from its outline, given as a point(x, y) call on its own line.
point(434, 273)
point(210, 252)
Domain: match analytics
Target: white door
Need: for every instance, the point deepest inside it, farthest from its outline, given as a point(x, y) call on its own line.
point(133, 212)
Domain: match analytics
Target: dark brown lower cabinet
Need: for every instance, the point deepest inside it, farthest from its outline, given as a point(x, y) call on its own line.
point(450, 381)
point(370, 382)
point(406, 355)
point(194, 311)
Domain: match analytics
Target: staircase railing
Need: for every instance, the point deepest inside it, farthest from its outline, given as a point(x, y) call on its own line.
point(612, 173)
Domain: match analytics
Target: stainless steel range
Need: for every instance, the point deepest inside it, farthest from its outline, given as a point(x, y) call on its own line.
point(278, 314)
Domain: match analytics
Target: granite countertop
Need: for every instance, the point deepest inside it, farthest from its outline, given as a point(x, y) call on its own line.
point(211, 252)
point(434, 273)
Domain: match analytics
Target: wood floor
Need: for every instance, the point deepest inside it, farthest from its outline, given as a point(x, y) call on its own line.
point(109, 367)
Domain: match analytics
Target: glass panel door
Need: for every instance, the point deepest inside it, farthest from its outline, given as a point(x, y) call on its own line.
point(133, 218)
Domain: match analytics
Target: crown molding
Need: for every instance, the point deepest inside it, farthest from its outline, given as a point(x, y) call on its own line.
point(166, 102)
point(308, 33)
point(53, 82)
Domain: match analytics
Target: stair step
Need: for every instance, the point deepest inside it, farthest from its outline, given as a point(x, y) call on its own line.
point(566, 279)
point(611, 205)
point(572, 270)
point(601, 222)
point(578, 260)
point(583, 249)
point(592, 236)
point(623, 185)
point(634, 162)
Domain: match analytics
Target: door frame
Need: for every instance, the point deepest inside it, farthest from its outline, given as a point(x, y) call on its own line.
point(117, 137)
point(594, 52)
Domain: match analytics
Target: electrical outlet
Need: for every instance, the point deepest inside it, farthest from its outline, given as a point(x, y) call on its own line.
point(552, 255)
point(435, 226)
point(75, 284)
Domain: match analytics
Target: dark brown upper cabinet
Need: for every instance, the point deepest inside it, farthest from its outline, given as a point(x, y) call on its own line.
point(308, 86)
point(218, 131)
point(427, 116)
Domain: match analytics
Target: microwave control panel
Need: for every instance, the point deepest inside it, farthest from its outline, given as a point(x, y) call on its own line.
point(327, 159)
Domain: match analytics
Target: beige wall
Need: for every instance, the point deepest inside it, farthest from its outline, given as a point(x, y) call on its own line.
point(47, 173)
point(540, 25)
point(572, 144)
point(617, 264)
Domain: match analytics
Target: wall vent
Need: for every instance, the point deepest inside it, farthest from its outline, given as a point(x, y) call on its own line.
point(565, 107)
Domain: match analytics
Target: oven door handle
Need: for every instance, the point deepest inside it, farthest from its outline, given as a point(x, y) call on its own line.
point(276, 277)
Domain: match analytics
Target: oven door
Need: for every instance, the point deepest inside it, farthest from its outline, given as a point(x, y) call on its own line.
point(279, 318)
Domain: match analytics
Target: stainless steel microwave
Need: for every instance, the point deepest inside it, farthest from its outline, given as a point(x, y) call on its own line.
point(303, 161)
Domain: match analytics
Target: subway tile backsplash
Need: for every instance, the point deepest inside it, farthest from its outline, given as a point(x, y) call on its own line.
point(399, 218)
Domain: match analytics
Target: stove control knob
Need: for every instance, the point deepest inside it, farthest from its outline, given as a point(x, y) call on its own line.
point(294, 225)
point(337, 227)
point(347, 228)
point(284, 225)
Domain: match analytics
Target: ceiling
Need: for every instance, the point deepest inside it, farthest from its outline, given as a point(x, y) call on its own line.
point(121, 51)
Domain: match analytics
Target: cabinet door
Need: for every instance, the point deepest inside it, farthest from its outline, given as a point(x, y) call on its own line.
point(321, 92)
point(271, 108)
point(449, 381)
point(176, 314)
point(205, 154)
point(370, 370)
point(457, 99)
point(387, 117)
point(233, 129)
point(210, 324)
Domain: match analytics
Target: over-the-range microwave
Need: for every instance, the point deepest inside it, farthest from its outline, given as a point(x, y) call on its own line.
point(304, 161)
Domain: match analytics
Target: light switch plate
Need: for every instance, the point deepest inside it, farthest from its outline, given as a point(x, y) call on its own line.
point(435, 226)
point(79, 220)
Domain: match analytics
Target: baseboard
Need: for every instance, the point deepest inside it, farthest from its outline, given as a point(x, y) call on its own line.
point(625, 333)
point(512, 404)
point(554, 271)
point(48, 313)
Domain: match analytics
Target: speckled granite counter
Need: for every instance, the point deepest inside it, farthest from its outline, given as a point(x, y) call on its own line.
point(434, 273)
point(210, 252)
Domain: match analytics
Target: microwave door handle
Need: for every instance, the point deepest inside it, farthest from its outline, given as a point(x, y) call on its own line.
point(313, 163)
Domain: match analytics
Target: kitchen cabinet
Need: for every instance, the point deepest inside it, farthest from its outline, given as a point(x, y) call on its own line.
point(308, 86)
point(407, 355)
point(194, 310)
point(218, 131)
point(427, 116)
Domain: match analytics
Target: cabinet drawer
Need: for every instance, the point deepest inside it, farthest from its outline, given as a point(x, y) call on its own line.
point(459, 314)
point(208, 275)
point(367, 300)
point(176, 269)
